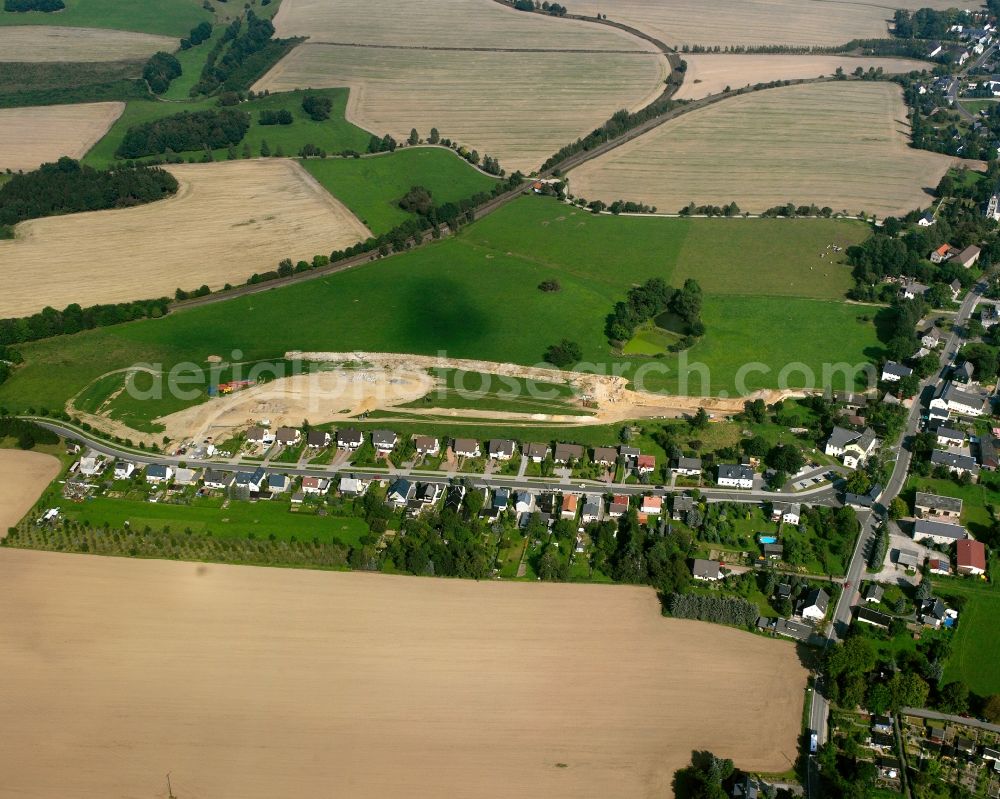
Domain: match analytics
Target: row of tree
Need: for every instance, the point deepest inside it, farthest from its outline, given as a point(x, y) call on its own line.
point(66, 187)
point(732, 610)
point(49, 322)
point(201, 32)
point(33, 5)
point(244, 52)
point(160, 70)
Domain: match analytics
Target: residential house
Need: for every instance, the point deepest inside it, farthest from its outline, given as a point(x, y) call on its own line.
point(619, 506)
point(428, 493)
point(593, 505)
point(908, 559)
point(629, 456)
point(570, 504)
point(399, 491)
point(427, 445)
point(605, 456)
point(943, 253)
point(956, 400)
point(938, 532)
point(874, 617)
point(786, 512)
point(157, 473)
point(989, 316)
point(911, 290)
point(384, 441)
point(705, 570)
point(682, 505)
point(278, 483)
point(89, 466)
point(689, 467)
point(970, 557)
point(773, 551)
point(863, 500)
point(317, 439)
point(186, 477)
point(350, 439)
point(934, 506)
point(840, 438)
point(893, 372)
point(501, 499)
point(988, 452)
point(956, 290)
point(454, 498)
point(956, 463)
point(466, 448)
point(298, 498)
point(735, 476)
point(950, 437)
point(123, 470)
point(932, 612)
point(793, 629)
point(260, 435)
point(882, 724)
point(874, 593)
point(858, 451)
point(536, 453)
point(933, 49)
point(645, 464)
point(216, 479)
point(315, 485)
point(524, 502)
point(815, 605)
point(502, 449)
point(747, 787)
point(939, 566)
point(968, 256)
point(930, 338)
point(352, 486)
point(252, 481)
point(652, 505)
point(993, 208)
point(567, 453)
point(963, 373)
point(287, 436)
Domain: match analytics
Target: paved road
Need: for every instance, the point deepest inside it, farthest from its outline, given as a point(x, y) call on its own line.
point(931, 714)
point(869, 520)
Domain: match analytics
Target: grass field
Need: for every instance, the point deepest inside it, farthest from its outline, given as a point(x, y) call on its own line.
point(977, 499)
point(26, 43)
point(232, 219)
point(333, 135)
point(710, 73)
point(754, 22)
point(192, 62)
point(155, 644)
point(172, 18)
point(493, 310)
point(976, 646)
point(469, 96)
point(372, 187)
point(975, 106)
point(443, 23)
point(239, 520)
point(795, 144)
point(30, 137)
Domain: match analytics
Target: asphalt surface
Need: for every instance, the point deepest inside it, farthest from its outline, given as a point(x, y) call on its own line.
point(932, 714)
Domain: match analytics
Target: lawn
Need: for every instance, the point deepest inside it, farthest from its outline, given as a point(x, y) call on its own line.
point(372, 187)
point(164, 17)
point(192, 62)
point(976, 645)
point(239, 520)
point(476, 296)
point(335, 134)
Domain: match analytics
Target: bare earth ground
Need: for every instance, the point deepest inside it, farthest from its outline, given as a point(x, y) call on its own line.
point(35, 135)
point(755, 22)
point(23, 478)
point(443, 23)
point(843, 145)
point(260, 683)
point(476, 97)
point(234, 218)
point(359, 382)
point(52, 43)
point(712, 73)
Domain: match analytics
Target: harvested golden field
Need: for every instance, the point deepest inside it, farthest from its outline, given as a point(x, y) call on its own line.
point(843, 145)
point(709, 74)
point(50, 43)
point(227, 221)
point(39, 134)
point(23, 478)
point(443, 23)
point(474, 97)
point(269, 682)
point(754, 22)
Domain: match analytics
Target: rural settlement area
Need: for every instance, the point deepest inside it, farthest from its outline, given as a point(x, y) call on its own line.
point(374, 423)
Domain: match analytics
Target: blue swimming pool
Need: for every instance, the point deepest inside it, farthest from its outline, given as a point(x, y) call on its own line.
point(767, 539)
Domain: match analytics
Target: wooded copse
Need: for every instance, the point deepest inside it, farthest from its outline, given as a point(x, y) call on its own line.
point(649, 300)
point(33, 5)
point(160, 70)
point(49, 322)
point(242, 54)
point(188, 130)
point(201, 32)
point(67, 187)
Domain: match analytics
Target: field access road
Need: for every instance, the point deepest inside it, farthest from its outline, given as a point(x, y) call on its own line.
point(820, 495)
point(855, 571)
point(933, 714)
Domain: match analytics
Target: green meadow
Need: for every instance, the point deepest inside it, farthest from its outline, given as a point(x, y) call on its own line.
point(976, 645)
point(372, 187)
point(476, 296)
point(335, 134)
point(163, 17)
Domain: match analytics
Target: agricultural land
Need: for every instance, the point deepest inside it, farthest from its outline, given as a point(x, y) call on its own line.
point(56, 130)
point(23, 478)
point(172, 18)
point(44, 43)
point(793, 144)
point(235, 219)
point(443, 656)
